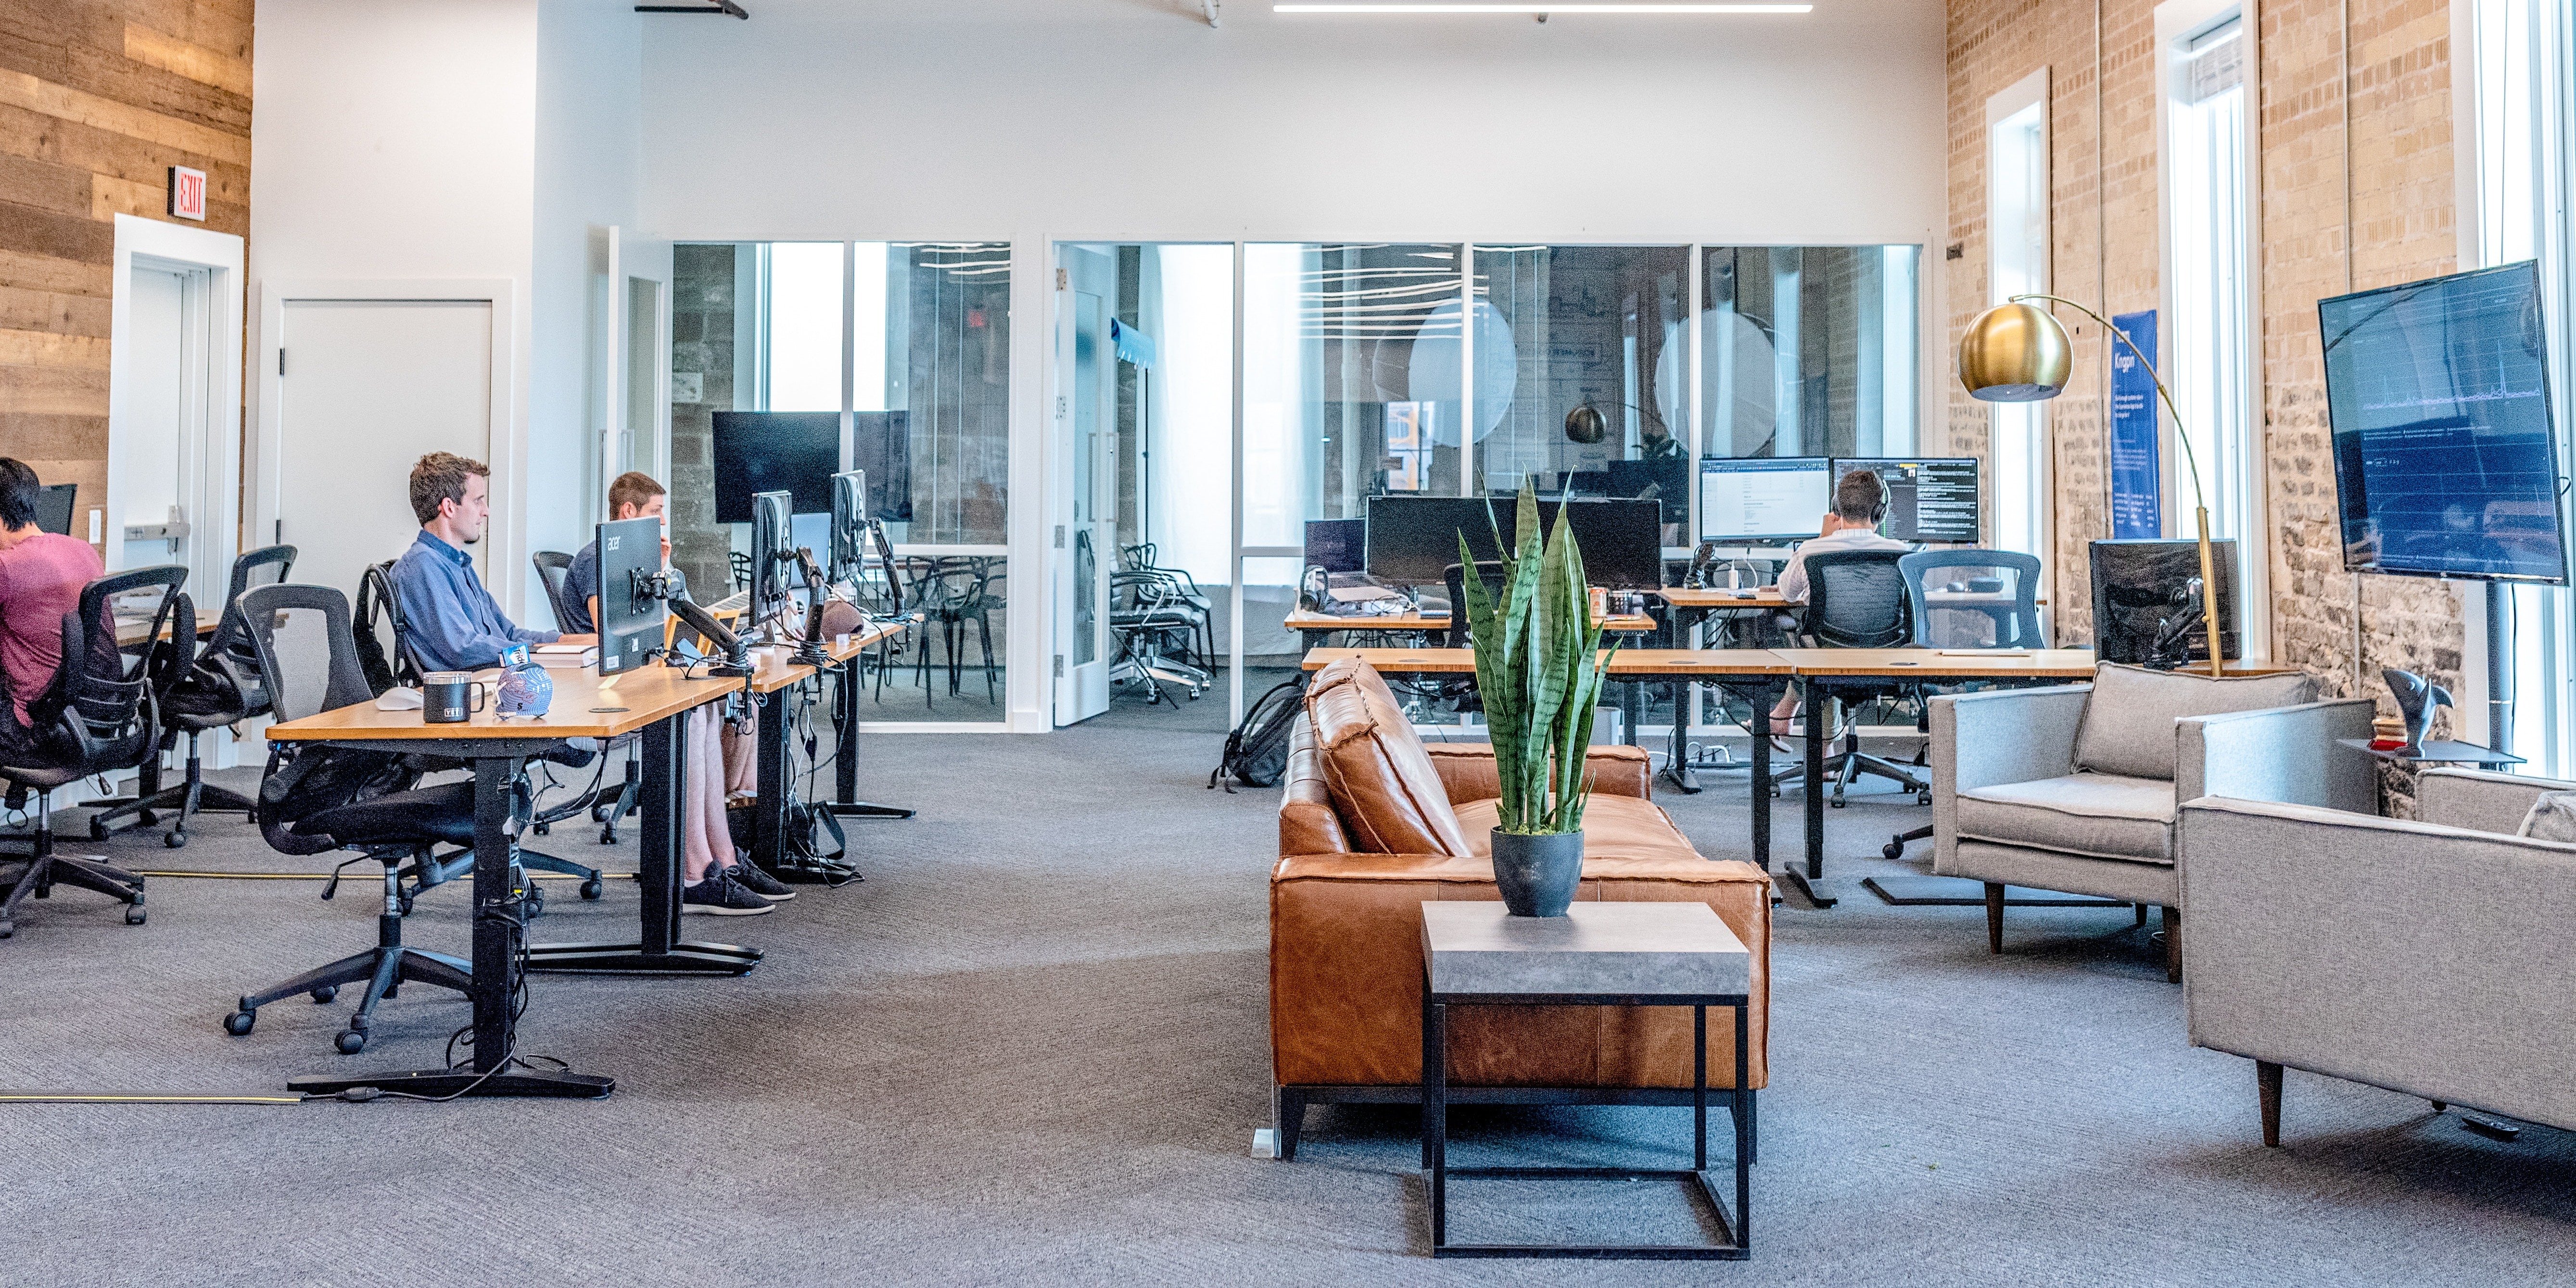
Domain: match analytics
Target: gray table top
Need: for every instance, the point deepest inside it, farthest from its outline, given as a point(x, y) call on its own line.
point(1607, 949)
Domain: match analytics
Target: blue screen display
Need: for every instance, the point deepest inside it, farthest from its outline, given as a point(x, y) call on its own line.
point(2446, 464)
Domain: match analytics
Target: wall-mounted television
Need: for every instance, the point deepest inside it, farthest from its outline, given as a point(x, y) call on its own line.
point(2446, 460)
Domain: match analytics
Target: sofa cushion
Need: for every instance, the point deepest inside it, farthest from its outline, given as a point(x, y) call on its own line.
point(1352, 670)
point(2128, 727)
point(2102, 816)
point(1617, 831)
point(1383, 784)
point(2552, 817)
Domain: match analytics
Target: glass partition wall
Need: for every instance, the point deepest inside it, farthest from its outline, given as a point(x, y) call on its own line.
point(909, 343)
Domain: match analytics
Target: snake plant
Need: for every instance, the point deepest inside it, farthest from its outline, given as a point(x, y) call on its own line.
point(1538, 671)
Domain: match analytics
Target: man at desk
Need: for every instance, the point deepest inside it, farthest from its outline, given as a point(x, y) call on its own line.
point(41, 577)
point(1860, 502)
point(457, 626)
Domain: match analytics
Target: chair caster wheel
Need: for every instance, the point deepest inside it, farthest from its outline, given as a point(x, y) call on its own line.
point(350, 1043)
point(544, 829)
point(238, 1023)
point(403, 901)
point(97, 830)
point(134, 914)
point(8, 928)
point(1892, 850)
point(1923, 798)
point(322, 996)
point(176, 840)
point(592, 888)
point(1835, 804)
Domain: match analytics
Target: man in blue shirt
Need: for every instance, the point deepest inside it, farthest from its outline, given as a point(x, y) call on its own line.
point(455, 623)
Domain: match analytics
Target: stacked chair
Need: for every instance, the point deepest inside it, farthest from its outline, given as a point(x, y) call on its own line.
point(97, 717)
point(1160, 622)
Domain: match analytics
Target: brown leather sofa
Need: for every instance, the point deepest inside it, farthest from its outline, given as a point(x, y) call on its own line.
point(1373, 823)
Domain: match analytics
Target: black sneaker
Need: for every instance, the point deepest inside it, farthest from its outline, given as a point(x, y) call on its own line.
point(721, 896)
point(750, 877)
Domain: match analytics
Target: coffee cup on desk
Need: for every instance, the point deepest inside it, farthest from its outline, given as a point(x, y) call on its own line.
point(448, 697)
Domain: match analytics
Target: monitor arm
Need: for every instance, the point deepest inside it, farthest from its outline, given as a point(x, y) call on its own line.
point(671, 588)
point(809, 650)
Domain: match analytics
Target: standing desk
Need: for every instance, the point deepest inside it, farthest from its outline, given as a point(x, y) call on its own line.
point(1760, 670)
point(1312, 627)
point(774, 668)
point(649, 699)
point(1688, 608)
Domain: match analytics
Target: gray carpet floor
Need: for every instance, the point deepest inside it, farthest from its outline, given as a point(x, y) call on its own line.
point(1031, 1049)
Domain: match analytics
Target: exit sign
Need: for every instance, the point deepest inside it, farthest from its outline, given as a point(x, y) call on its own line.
point(187, 193)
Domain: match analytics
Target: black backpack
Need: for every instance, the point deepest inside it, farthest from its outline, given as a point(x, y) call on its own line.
point(1256, 753)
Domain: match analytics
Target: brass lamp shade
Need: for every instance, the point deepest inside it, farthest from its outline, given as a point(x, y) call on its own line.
point(2015, 353)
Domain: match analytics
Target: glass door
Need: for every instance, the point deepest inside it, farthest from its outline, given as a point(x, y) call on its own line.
point(1086, 544)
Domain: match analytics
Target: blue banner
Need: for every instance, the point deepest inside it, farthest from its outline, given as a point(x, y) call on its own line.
point(2136, 509)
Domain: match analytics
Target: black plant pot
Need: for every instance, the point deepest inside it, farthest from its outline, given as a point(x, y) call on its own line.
point(1538, 874)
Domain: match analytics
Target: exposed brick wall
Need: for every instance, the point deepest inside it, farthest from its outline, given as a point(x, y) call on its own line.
point(2402, 222)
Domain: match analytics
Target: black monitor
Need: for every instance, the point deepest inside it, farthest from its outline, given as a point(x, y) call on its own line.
point(2446, 463)
point(1413, 539)
point(849, 525)
point(773, 562)
point(1337, 545)
point(1764, 498)
point(1928, 498)
point(775, 451)
point(630, 610)
point(54, 508)
point(2147, 601)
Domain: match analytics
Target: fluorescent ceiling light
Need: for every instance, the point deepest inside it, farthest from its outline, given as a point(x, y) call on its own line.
point(1544, 9)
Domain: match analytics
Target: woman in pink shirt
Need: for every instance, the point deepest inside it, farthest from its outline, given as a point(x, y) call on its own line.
point(41, 576)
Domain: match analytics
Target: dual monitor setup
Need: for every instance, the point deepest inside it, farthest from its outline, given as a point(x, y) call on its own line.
point(636, 591)
point(1782, 498)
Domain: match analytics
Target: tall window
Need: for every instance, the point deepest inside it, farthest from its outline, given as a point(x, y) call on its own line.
point(2017, 226)
point(2209, 283)
point(1806, 350)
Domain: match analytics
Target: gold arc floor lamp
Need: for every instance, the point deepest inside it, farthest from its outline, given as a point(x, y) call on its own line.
point(2015, 352)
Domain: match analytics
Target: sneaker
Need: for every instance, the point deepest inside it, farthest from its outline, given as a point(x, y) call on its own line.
point(721, 896)
point(750, 877)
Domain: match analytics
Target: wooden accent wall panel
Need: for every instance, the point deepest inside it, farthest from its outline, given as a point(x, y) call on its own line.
point(98, 99)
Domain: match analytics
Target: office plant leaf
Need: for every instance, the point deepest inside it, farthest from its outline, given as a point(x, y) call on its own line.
point(1538, 671)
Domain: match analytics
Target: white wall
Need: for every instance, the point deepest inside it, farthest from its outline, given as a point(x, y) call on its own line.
point(589, 148)
point(393, 140)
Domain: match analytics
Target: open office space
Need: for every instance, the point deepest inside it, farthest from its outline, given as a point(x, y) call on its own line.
point(1185, 641)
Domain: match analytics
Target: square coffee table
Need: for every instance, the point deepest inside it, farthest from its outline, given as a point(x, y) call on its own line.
point(1599, 954)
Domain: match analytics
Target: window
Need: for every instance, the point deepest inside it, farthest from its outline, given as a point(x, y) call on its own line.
point(1807, 350)
point(2208, 178)
point(2017, 225)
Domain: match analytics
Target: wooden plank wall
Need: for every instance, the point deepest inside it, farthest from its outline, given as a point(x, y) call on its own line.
point(98, 98)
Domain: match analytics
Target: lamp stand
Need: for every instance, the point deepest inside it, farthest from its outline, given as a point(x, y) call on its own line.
point(2209, 596)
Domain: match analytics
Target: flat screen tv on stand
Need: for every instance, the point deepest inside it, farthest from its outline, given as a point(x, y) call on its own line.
point(2445, 454)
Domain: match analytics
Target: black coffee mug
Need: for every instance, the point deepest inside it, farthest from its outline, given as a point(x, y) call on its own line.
point(448, 697)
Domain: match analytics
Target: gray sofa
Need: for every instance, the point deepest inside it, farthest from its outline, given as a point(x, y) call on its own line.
point(2075, 789)
point(2429, 957)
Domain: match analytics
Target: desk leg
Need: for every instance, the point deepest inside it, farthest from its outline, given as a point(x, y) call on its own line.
point(1677, 761)
point(497, 928)
point(845, 750)
point(659, 951)
point(777, 791)
point(1818, 698)
point(1764, 698)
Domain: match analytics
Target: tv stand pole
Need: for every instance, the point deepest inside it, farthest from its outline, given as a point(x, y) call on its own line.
point(2499, 668)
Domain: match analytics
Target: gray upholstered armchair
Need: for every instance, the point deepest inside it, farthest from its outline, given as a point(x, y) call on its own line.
point(2074, 789)
point(2427, 957)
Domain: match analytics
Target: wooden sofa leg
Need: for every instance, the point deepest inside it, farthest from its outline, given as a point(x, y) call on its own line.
point(2267, 1076)
point(2142, 914)
point(1995, 917)
point(2173, 945)
point(1292, 1119)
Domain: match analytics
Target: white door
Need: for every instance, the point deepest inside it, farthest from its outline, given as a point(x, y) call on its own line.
point(154, 465)
point(1087, 435)
point(644, 409)
point(367, 388)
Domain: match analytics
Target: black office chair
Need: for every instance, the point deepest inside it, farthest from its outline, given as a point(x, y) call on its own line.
point(608, 804)
point(220, 687)
point(96, 717)
point(381, 670)
point(1969, 599)
point(553, 568)
point(317, 799)
point(1858, 599)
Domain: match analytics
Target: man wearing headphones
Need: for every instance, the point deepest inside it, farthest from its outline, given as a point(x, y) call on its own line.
point(1860, 501)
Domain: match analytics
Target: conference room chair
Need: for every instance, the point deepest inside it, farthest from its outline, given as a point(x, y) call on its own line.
point(1152, 624)
point(220, 686)
point(96, 717)
point(1857, 599)
point(1969, 599)
point(317, 799)
point(1145, 557)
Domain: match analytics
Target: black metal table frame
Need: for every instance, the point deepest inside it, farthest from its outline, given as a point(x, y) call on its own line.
point(1736, 1221)
point(1686, 621)
point(775, 760)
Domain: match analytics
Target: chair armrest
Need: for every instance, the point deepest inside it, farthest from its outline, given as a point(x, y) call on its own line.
point(2004, 736)
point(2425, 959)
point(2280, 754)
point(1467, 771)
point(2478, 800)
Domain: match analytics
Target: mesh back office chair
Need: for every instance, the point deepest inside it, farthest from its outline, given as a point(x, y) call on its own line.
point(221, 687)
point(554, 567)
point(376, 599)
point(316, 799)
point(96, 717)
point(1858, 599)
point(1965, 599)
